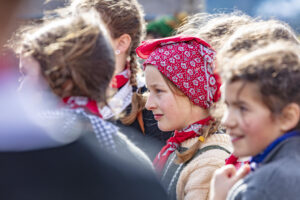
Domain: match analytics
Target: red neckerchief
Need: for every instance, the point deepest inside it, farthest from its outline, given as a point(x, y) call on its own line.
point(121, 79)
point(233, 160)
point(174, 142)
point(82, 102)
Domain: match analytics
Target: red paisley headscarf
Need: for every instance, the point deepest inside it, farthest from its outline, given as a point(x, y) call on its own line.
point(188, 62)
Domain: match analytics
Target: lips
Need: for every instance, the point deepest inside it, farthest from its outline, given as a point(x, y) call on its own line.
point(158, 116)
point(236, 138)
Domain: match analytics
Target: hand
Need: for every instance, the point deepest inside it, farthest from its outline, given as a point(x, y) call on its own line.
point(224, 178)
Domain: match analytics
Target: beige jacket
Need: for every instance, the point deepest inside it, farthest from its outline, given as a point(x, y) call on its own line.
point(194, 180)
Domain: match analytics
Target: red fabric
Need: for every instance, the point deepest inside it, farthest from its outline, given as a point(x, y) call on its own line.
point(189, 63)
point(120, 79)
point(174, 142)
point(149, 46)
point(82, 102)
point(233, 160)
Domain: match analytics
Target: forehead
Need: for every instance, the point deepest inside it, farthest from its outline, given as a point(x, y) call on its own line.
point(242, 91)
point(153, 76)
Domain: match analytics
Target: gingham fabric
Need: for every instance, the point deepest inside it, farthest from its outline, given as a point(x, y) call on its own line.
point(103, 130)
point(82, 102)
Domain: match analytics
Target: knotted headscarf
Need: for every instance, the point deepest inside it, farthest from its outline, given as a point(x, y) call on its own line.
point(188, 62)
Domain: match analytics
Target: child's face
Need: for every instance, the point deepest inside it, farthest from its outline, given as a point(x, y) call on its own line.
point(247, 120)
point(172, 112)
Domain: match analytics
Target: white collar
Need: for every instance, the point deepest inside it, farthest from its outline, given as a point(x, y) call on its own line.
point(120, 101)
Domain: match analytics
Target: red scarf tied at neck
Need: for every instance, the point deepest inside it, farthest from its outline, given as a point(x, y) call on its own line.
point(173, 143)
point(121, 78)
point(82, 102)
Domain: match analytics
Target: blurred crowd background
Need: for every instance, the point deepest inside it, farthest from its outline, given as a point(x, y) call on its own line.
point(156, 10)
point(164, 16)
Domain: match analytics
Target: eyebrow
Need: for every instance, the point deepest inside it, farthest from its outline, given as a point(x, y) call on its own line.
point(237, 102)
point(154, 85)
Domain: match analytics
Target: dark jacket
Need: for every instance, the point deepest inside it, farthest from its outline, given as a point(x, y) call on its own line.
point(38, 165)
point(152, 141)
point(76, 171)
point(277, 177)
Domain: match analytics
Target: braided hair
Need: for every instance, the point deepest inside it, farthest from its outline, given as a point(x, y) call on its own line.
point(122, 17)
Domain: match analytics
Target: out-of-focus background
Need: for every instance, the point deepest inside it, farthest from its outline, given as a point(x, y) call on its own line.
point(163, 16)
point(286, 10)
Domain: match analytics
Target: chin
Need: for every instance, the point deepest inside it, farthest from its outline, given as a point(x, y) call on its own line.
point(164, 127)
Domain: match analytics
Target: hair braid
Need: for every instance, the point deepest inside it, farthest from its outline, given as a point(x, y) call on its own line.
point(138, 101)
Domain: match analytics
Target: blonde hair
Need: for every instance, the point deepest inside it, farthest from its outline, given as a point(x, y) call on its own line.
point(74, 53)
point(122, 17)
point(214, 28)
point(253, 36)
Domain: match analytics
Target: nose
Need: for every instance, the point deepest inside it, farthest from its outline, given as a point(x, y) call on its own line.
point(229, 120)
point(150, 104)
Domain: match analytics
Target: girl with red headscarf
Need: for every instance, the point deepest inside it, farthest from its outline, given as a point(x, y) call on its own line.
point(183, 88)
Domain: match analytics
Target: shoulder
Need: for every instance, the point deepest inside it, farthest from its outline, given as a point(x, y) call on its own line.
point(211, 155)
point(278, 179)
point(194, 179)
point(73, 171)
point(242, 191)
point(215, 147)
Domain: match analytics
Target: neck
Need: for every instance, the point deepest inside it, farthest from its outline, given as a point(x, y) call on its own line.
point(120, 63)
point(197, 114)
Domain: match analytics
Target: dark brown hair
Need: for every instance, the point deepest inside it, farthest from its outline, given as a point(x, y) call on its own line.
point(275, 69)
point(122, 17)
point(254, 36)
point(75, 55)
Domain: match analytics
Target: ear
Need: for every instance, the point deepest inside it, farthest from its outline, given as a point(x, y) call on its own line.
point(123, 43)
point(290, 117)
